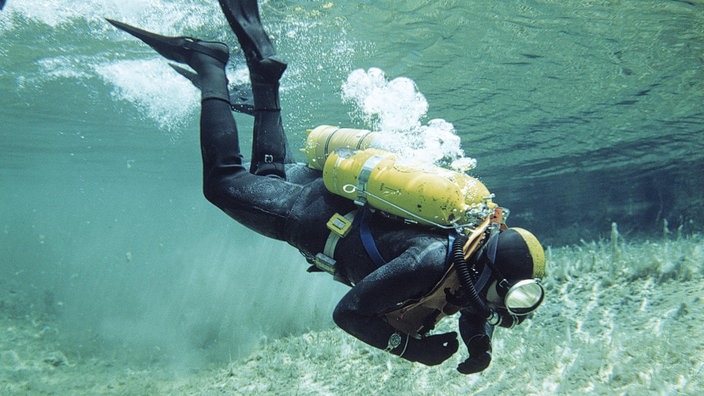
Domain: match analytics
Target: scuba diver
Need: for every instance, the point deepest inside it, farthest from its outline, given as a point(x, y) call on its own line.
point(404, 276)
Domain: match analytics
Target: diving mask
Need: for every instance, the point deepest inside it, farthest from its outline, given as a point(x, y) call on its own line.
point(523, 297)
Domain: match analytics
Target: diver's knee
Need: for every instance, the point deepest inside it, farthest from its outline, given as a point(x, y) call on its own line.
point(211, 194)
point(340, 316)
point(273, 169)
point(214, 190)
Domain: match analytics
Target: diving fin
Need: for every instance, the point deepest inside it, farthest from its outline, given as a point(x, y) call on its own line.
point(178, 49)
point(241, 99)
point(243, 17)
point(2, 4)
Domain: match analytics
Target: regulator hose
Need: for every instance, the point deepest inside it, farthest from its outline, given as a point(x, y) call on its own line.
point(466, 277)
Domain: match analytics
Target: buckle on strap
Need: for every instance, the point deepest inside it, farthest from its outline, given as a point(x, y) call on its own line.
point(339, 227)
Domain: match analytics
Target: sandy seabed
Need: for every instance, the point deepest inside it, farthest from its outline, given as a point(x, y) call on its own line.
point(621, 318)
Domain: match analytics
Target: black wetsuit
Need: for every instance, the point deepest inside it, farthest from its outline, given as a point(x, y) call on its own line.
point(289, 202)
point(297, 209)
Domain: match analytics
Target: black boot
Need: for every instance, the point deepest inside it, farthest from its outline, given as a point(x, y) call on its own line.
point(264, 64)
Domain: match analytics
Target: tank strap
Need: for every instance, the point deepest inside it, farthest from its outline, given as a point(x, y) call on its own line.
point(326, 150)
point(365, 234)
point(363, 179)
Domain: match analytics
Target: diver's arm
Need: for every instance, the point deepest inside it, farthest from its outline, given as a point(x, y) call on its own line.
point(411, 275)
point(476, 334)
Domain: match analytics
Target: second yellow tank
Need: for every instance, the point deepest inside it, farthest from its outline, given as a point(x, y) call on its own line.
point(325, 139)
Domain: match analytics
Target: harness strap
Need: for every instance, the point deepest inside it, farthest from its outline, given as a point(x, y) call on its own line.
point(450, 243)
point(339, 227)
point(483, 278)
point(365, 234)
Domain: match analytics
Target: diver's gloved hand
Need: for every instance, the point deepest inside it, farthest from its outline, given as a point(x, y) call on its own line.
point(431, 350)
point(479, 358)
point(475, 364)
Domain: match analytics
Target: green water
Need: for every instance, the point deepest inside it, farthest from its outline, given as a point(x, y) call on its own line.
point(579, 113)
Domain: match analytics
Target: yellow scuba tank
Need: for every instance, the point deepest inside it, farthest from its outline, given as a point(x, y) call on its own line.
point(416, 191)
point(420, 192)
point(325, 139)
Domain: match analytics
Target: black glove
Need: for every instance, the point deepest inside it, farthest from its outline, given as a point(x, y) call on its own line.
point(431, 350)
point(475, 364)
point(479, 358)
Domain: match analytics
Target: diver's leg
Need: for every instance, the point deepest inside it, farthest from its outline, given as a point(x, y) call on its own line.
point(269, 147)
point(260, 203)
